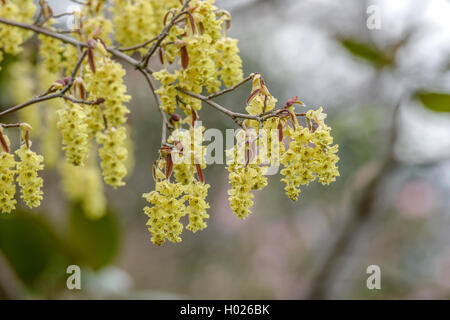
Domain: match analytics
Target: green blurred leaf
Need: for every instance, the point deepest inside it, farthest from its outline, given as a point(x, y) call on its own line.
point(435, 101)
point(367, 52)
point(96, 242)
point(29, 244)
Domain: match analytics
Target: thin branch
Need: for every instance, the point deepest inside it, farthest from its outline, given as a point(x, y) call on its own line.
point(46, 96)
point(70, 40)
point(59, 15)
point(231, 114)
point(213, 95)
point(79, 2)
point(158, 102)
point(138, 46)
point(164, 33)
point(10, 125)
point(79, 101)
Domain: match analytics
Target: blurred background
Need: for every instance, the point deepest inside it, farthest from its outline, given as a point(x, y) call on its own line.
point(386, 93)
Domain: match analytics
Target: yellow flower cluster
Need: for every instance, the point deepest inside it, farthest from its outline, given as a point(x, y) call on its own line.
point(168, 207)
point(106, 121)
point(74, 132)
point(166, 212)
point(189, 152)
point(134, 22)
point(228, 61)
point(261, 101)
point(93, 18)
point(310, 155)
point(195, 195)
point(7, 185)
point(106, 83)
point(243, 180)
point(11, 37)
point(186, 196)
point(160, 9)
point(167, 91)
point(27, 171)
point(51, 51)
point(206, 56)
point(171, 52)
point(85, 185)
point(205, 17)
point(202, 68)
point(245, 175)
point(113, 155)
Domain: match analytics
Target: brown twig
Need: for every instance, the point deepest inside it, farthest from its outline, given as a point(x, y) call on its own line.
point(47, 96)
point(71, 41)
point(138, 46)
point(214, 95)
point(158, 102)
point(164, 33)
point(231, 114)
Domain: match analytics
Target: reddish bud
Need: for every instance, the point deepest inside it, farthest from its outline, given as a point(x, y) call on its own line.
point(280, 130)
point(252, 95)
point(227, 24)
point(179, 146)
point(99, 100)
point(200, 175)
point(161, 55)
point(3, 142)
point(169, 165)
point(64, 81)
point(194, 116)
point(293, 100)
point(97, 32)
point(184, 57)
point(293, 120)
point(91, 60)
point(174, 118)
point(191, 20)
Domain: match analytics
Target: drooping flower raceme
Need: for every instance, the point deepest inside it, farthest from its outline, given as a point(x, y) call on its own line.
point(11, 38)
point(74, 132)
point(27, 176)
point(7, 184)
point(113, 155)
point(310, 155)
point(195, 194)
point(85, 185)
point(166, 212)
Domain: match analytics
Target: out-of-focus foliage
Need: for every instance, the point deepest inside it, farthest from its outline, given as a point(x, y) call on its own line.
point(435, 101)
point(95, 241)
point(368, 53)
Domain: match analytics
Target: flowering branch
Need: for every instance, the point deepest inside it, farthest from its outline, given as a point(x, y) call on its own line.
point(71, 41)
point(138, 46)
point(236, 115)
point(164, 33)
point(60, 94)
